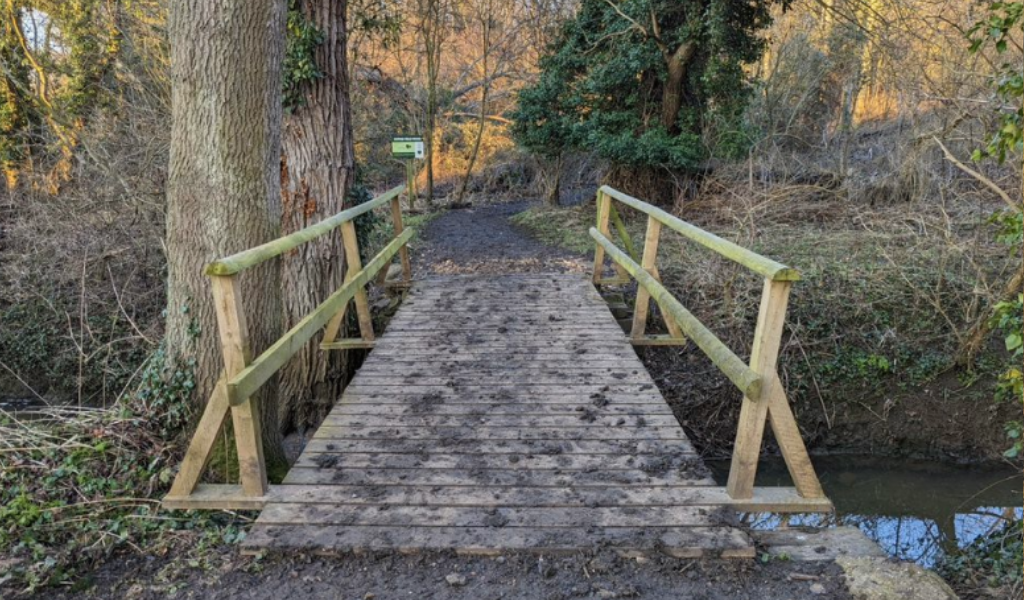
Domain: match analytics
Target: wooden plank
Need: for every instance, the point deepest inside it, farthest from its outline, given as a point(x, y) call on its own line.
point(765, 499)
point(234, 341)
point(513, 390)
point(324, 444)
point(469, 462)
point(504, 433)
point(263, 368)
point(492, 477)
point(430, 516)
point(387, 346)
point(771, 319)
point(249, 258)
point(641, 496)
point(474, 368)
point(436, 406)
point(417, 379)
point(582, 420)
point(408, 395)
point(749, 259)
point(209, 496)
point(570, 360)
point(680, 542)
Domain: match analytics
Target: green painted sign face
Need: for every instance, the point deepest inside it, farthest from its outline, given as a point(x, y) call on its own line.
point(407, 147)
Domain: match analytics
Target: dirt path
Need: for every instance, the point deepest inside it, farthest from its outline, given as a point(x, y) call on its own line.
point(442, 576)
point(481, 239)
point(475, 240)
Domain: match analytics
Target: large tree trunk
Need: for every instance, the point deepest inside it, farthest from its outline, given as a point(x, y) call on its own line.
point(554, 191)
point(223, 190)
point(316, 173)
point(672, 97)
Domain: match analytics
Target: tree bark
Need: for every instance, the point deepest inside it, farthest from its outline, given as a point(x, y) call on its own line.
point(223, 188)
point(555, 183)
point(672, 97)
point(317, 167)
point(432, 28)
point(485, 19)
point(14, 101)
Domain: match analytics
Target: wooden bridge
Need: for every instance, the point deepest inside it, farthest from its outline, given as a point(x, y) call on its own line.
point(502, 412)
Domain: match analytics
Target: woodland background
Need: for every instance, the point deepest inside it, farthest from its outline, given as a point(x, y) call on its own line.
point(862, 153)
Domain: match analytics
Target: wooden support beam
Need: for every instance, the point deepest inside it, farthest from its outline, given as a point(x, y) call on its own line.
point(744, 377)
point(403, 253)
point(264, 367)
point(673, 328)
point(620, 227)
point(658, 340)
point(234, 341)
point(348, 344)
point(643, 297)
point(763, 358)
point(355, 265)
point(603, 212)
point(200, 448)
point(787, 435)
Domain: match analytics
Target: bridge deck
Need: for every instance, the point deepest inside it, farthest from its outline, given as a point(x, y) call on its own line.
point(500, 413)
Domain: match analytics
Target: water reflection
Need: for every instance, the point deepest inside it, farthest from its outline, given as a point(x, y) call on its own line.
point(915, 510)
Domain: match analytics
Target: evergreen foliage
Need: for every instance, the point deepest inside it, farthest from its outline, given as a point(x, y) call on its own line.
point(639, 81)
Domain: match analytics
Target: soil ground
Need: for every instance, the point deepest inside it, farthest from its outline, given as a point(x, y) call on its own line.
point(472, 240)
point(423, 576)
point(480, 239)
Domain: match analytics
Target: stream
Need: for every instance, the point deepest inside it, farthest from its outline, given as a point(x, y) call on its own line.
point(915, 510)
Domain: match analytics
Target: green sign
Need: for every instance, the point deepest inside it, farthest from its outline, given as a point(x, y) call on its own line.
point(407, 147)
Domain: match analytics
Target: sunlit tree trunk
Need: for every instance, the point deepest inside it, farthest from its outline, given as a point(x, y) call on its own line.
point(486, 20)
point(316, 173)
point(223, 186)
point(432, 30)
point(14, 101)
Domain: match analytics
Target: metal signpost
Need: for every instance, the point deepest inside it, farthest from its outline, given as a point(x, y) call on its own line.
point(409, 148)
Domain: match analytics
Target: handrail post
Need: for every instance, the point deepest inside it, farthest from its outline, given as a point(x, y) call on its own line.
point(763, 359)
point(603, 212)
point(355, 265)
point(648, 263)
point(234, 341)
point(396, 218)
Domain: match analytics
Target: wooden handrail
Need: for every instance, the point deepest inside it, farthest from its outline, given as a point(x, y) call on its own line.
point(246, 259)
point(243, 377)
point(249, 380)
point(745, 378)
point(755, 262)
point(763, 394)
